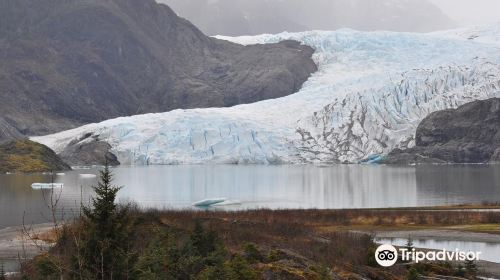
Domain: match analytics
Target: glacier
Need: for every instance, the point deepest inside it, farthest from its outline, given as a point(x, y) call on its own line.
point(368, 96)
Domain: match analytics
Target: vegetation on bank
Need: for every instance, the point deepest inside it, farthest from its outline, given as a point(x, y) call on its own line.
point(110, 241)
point(26, 156)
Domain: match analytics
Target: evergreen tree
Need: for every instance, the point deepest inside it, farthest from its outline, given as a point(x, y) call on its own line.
point(107, 228)
point(471, 267)
point(252, 253)
point(460, 271)
point(412, 274)
point(203, 242)
point(2, 272)
point(409, 243)
point(239, 269)
point(153, 262)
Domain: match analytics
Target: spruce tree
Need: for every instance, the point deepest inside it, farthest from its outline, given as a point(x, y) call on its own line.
point(203, 242)
point(471, 267)
point(412, 274)
point(2, 272)
point(104, 211)
point(409, 243)
point(107, 227)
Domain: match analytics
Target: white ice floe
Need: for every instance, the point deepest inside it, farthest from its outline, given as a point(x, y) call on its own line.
point(43, 186)
point(209, 202)
point(226, 203)
point(88, 176)
point(371, 91)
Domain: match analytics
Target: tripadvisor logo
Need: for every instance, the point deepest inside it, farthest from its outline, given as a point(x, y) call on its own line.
point(387, 255)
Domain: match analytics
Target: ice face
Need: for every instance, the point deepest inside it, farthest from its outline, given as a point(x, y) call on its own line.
point(368, 96)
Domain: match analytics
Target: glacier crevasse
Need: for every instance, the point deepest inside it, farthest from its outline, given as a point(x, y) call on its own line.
point(368, 96)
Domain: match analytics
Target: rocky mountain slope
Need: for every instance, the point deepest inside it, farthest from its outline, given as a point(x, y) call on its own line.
point(369, 95)
point(65, 63)
point(468, 134)
point(252, 17)
point(28, 156)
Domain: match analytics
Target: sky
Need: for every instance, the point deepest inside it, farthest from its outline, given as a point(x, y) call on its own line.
point(470, 12)
point(251, 17)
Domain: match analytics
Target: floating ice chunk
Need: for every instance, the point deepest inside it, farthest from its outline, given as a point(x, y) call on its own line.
point(209, 202)
point(80, 167)
point(42, 186)
point(88, 176)
point(228, 203)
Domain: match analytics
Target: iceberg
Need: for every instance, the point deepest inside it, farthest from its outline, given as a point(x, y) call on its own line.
point(234, 202)
point(42, 186)
point(370, 93)
point(209, 202)
point(88, 176)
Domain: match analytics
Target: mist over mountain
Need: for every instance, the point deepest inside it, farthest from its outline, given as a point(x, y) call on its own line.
point(252, 17)
point(466, 12)
point(66, 63)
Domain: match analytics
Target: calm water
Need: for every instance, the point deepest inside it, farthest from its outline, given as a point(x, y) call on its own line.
point(489, 251)
point(342, 186)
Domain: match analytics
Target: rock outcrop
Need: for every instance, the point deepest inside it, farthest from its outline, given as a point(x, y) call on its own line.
point(27, 156)
point(469, 134)
point(89, 151)
point(71, 62)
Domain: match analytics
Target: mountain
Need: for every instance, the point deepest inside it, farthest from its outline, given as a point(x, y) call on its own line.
point(468, 134)
point(369, 95)
point(252, 17)
point(28, 156)
point(66, 63)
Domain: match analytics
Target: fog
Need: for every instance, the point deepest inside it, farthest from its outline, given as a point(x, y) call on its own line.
point(249, 17)
point(470, 12)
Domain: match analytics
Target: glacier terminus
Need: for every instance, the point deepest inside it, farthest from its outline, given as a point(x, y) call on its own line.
point(370, 93)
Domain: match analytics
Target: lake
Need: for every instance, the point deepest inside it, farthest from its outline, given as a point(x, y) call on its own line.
point(489, 251)
point(276, 187)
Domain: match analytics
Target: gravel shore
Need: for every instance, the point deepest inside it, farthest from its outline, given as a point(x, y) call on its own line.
point(15, 246)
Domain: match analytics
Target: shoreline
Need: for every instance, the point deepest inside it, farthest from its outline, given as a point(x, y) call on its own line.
point(487, 268)
point(441, 235)
point(13, 245)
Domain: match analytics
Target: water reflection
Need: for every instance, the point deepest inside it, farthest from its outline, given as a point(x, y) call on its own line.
point(489, 251)
point(457, 184)
point(341, 186)
point(271, 187)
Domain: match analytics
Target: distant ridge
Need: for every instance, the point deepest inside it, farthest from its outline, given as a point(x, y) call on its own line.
point(65, 63)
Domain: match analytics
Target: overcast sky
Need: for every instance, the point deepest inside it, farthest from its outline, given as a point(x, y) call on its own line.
point(467, 12)
point(250, 17)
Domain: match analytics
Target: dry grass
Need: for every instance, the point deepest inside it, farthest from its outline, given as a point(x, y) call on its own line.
point(296, 242)
point(324, 236)
point(484, 228)
point(48, 236)
point(340, 218)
